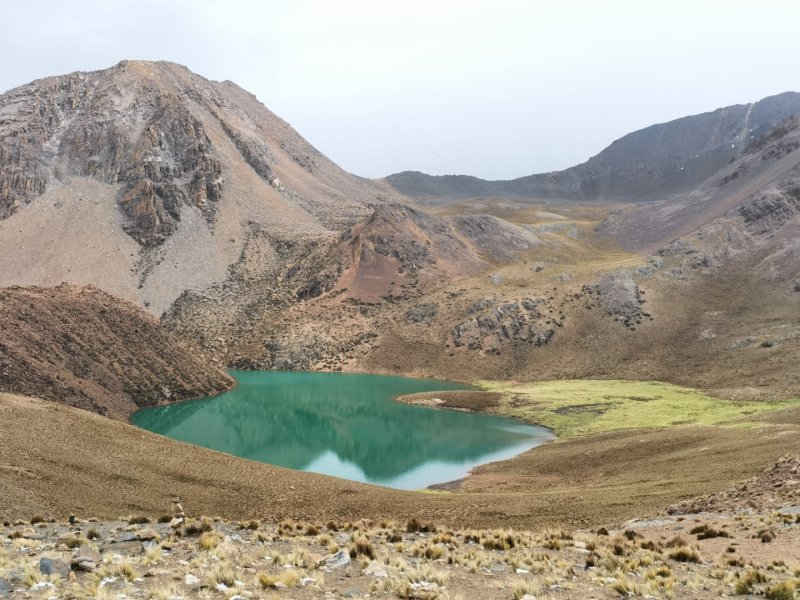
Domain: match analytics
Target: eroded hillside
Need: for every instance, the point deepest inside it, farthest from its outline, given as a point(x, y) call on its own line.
point(85, 348)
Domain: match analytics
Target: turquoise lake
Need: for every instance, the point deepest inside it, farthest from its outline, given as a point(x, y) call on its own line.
point(345, 425)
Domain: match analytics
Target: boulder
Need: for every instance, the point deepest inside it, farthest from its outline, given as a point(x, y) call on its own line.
point(54, 566)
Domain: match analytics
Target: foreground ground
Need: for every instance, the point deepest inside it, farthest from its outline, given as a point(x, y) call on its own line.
point(693, 556)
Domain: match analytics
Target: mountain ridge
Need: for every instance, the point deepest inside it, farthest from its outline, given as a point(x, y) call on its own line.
point(654, 161)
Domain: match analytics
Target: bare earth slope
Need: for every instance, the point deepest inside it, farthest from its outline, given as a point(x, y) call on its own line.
point(658, 160)
point(85, 348)
point(146, 180)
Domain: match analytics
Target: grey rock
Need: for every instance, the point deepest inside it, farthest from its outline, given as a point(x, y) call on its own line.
point(5, 588)
point(496, 278)
point(422, 313)
point(87, 566)
point(131, 548)
point(338, 560)
point(85, 554)
point(54, 566)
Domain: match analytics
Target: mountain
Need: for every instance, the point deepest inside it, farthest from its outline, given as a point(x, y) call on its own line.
point(649, 163)
point(88, 349)
point(147, 180)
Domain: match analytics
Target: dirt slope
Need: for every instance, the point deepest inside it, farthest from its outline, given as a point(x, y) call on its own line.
point(85, 348)
point(89, 465)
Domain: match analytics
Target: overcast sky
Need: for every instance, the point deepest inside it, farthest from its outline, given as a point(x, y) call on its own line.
point(497, 89)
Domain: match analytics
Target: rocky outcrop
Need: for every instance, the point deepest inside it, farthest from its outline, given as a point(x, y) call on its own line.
point(144, 139)
point(768, 211)
point(619, 295)
point(496, 324)
point(85, 348)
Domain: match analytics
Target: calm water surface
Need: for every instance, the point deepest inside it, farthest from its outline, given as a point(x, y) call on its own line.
point(345, 425)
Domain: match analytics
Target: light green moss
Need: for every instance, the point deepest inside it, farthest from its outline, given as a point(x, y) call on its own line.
point(581, 407)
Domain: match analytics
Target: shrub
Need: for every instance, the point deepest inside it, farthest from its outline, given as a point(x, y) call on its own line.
point(780, 591)
point(209, 540)
point(685, 554)
point(288, 578)
point(138, 520)
point(744, 584)
point(361, 546)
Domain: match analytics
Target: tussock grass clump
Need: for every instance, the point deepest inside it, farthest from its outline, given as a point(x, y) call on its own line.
point(164, 519)
point(676, 542)
point(685, 554)
point(520, 589)
point(624, 586)
point(204, 525)
point(663, 571)
point(209, 540)
point(414, 526)
point(361, 546)
point(93, 534)
point(221, 573)
point(252, 524)
point(706, 532)
point(74, 541)
point(744, 583)
point(766, 535)
point(287, 579)
point(312, 529)
point(124, 570)
point(138, 520)
point(784, 590)
point(499, 541)
point(37, 519)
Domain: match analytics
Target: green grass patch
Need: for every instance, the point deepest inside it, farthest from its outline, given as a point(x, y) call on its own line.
point(583, 407)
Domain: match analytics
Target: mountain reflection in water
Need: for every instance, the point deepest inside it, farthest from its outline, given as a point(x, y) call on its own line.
point(345, 425)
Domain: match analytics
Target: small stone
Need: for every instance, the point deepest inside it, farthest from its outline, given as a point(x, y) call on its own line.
point(5, 588)
point(227, 549)
point(148, 535)
point(176, 522)
point(132, 548)
point(29, 533)
point(86, 566)
point(340, 559)
point(191, 580)
point(42, 585)
point(580, 545)
point(522, 571)
point(85, 554)
point(351, 594)
point(374, 569)
point(54, 566)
